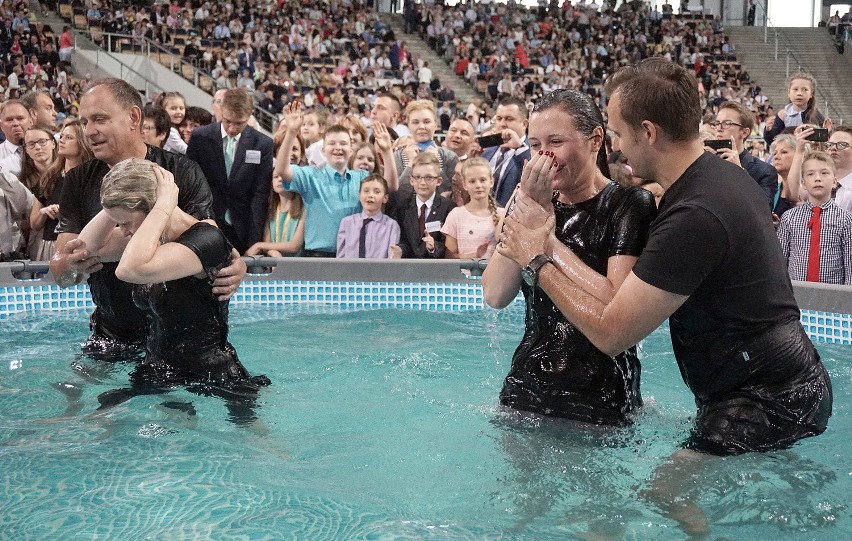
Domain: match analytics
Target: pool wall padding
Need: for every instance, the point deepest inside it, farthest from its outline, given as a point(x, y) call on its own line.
point(364, 285)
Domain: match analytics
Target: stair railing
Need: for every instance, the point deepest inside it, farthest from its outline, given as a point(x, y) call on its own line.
point(788, 55)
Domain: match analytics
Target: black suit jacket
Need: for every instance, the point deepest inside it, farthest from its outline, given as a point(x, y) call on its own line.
point(407, 215)
point(245, 193)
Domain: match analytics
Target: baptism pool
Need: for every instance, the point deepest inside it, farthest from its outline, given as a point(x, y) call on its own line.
point(380, 424)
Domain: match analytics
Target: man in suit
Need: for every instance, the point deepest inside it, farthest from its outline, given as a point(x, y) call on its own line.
point(507, 160)
point(420, 217)
point(237, 161)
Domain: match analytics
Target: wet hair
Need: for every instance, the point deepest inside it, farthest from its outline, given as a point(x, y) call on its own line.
point(818, 155)
point(746, 118)
point(661, 92)
point(130, 184)
point(511, 100)
point(162, 122)
point(811, 111)
point(376, 178)
point(585, 114)
point(479, 161)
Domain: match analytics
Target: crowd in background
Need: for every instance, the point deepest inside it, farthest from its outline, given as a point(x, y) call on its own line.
point(339, 64)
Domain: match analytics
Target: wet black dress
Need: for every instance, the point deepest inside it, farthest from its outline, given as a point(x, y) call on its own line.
point(556, 370)
point(188, 334)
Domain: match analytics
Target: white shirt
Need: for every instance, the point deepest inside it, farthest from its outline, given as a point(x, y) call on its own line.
point(7, 148)
point(843, 198)
point(428, 203)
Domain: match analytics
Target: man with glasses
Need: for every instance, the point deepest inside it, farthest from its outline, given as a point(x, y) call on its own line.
point(839, 147)
point(735, 123)
point(237, 161)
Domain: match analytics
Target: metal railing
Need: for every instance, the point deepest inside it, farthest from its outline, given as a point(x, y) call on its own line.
point(110, 43)
point(789, 55)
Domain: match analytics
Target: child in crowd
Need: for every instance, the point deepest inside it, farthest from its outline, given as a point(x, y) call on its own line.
point(332, 192)
point(470, 230)
point(364, 159)
point(422, 214)
point(313, 133)
point(816, 237)
point(285, 231)
point(175, 106)
point(802, 109)
point(370, 233)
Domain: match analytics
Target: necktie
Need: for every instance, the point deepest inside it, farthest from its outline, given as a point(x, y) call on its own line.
point(422, 221)
point(230, 143)
point(362, 240)
point(814, 224)
point(499, 164)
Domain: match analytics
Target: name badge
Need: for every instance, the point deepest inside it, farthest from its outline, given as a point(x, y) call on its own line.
point(433, 227)
point(253, 156)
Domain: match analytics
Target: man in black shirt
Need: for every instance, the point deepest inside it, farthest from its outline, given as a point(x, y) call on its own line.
point(112, 114)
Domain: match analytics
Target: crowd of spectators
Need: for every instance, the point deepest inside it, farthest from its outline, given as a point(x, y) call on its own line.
point(341, 63)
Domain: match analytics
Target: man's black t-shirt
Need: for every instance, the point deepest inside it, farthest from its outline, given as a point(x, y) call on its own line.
point(714, 241)
point(115, 315)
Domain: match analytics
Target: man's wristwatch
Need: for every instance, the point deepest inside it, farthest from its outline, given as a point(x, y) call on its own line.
point(530, 272)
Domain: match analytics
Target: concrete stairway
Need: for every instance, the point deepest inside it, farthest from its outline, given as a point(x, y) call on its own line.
point(813, 52)
point(440, 69)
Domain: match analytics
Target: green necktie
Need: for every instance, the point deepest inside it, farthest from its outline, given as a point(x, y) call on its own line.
point(230, 144)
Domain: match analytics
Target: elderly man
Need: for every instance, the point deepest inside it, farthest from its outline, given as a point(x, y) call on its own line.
point(111, 111)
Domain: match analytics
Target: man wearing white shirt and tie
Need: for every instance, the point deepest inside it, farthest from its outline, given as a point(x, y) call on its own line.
point(507, 160)
point(15, 120)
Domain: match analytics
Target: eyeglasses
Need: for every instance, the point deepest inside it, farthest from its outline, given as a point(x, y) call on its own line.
point(840, 145)
point(423, 179)
point(37, 143)
point(147, 128)
point(724, 123)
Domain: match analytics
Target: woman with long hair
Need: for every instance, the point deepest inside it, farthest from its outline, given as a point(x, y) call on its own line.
point(72, 150)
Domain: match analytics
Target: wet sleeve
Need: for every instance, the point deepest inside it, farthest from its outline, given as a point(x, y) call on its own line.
point(71, 218)
point(194, 197)
point(632, 223)
point(682, 250)
point(209, 244)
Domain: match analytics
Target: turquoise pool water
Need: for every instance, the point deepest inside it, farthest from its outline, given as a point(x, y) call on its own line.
point(381, 425)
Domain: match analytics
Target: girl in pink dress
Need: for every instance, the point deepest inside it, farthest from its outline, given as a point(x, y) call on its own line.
point(470, 230)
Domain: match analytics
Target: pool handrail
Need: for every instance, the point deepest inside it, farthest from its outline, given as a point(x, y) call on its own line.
point(810, 296)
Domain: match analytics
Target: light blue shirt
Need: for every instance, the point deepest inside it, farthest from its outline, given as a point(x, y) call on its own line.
point(328, 197)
